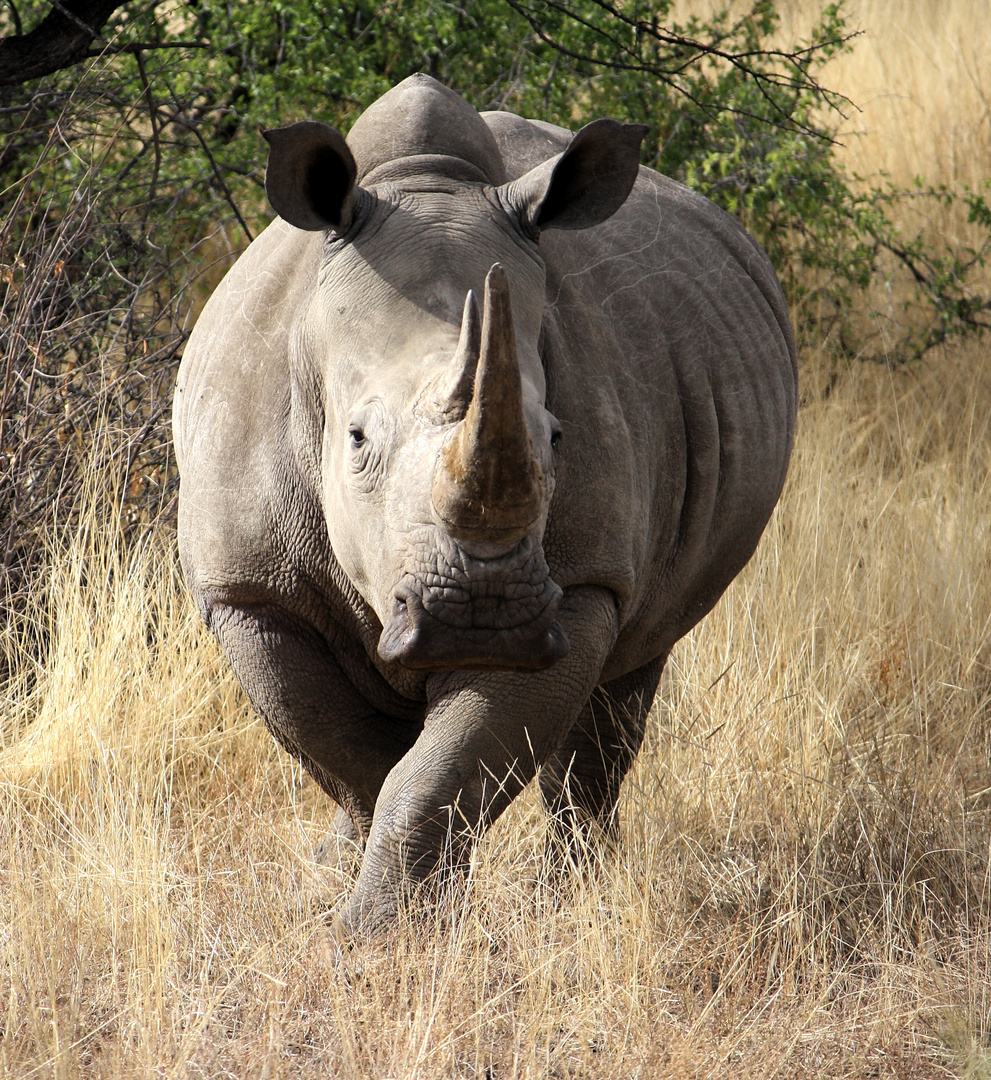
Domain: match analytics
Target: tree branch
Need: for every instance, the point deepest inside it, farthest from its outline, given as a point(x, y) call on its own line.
point(61, 39)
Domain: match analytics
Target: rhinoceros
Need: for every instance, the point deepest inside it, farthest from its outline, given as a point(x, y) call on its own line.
point(482, 424)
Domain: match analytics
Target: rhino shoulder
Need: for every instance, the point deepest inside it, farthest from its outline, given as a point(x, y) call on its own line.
point(229, 411)
point(238, 346)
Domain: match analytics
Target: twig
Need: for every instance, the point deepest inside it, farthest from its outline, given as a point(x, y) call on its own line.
point(797, 81)
point(18, 27)
point(146, 46)
point(177, 119)
point(153, 120)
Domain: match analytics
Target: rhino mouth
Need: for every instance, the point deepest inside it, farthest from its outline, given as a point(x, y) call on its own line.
point(468, 614)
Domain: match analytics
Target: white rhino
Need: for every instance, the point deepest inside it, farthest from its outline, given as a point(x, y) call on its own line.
point(448, 543)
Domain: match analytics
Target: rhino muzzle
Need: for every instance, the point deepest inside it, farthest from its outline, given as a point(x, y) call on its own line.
point(474, 614)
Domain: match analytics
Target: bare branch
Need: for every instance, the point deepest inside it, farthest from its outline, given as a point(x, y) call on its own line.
point(195, 131)
point(147, 46)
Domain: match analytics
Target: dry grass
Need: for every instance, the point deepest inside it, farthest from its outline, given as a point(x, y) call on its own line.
point(919, 78)
point(803, 887)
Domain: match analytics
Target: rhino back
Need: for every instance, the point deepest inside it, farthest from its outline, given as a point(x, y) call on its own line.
point(230, 417)
point(524, 144)
point(671, 364)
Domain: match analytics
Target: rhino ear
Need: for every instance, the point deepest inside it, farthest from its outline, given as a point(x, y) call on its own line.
point(310, 176)
point(583, 186)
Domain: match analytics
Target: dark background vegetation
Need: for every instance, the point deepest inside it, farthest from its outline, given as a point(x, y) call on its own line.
point(131, 174)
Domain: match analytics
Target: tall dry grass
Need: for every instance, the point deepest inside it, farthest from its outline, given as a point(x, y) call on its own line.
point(803, 886)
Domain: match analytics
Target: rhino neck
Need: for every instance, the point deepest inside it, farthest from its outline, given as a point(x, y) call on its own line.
point(426, 172)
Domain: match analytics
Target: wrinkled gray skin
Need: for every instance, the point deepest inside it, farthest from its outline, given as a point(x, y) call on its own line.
point(427, 608)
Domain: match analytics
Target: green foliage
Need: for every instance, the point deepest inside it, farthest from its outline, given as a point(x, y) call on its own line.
point(749, 125)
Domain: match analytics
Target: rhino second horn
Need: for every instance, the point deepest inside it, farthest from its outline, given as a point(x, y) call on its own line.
point(488, 485)
point(453, 395)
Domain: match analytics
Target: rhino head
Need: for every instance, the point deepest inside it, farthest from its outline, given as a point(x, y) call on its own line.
point(418, 411)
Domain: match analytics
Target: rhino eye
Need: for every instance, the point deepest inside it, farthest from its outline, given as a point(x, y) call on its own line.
point(367, 439)
point(556, 438)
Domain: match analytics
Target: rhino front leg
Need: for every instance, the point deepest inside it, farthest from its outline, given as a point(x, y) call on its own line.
point(485, 736)
point(581, 783)
point(296, 684)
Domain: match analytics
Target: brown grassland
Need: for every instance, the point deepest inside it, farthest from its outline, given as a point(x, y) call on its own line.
point(803, 886)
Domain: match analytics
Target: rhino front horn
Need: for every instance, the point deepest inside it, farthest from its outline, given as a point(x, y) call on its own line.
point(488, 485)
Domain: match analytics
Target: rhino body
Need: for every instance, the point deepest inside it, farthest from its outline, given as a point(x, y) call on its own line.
point(464, 450)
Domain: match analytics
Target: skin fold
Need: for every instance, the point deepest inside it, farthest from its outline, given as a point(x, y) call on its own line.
point(469, 437)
